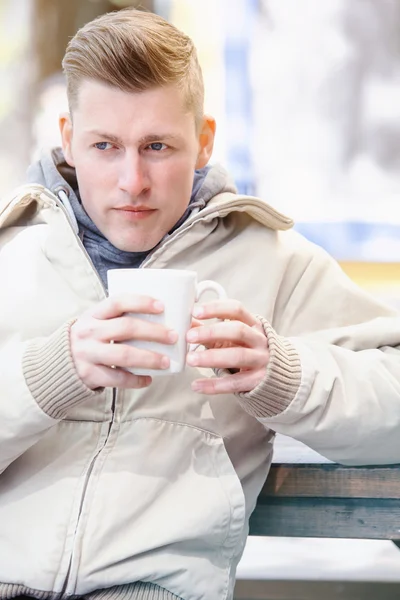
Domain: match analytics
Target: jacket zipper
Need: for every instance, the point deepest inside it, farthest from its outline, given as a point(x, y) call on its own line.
point(113, 403)
point(85, 486)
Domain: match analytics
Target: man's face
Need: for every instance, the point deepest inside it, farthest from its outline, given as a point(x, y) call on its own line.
point(135, 156)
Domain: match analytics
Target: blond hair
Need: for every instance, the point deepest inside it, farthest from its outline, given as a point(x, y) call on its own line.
point(134, 51)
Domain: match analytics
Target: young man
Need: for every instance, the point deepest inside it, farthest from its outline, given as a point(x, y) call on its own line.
point(114, 485)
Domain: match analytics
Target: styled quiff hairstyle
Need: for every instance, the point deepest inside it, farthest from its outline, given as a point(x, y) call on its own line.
point(134, 51)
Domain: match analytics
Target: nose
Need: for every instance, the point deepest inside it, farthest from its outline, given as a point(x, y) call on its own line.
point(133, 177)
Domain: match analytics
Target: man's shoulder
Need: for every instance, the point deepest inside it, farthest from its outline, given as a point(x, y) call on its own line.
point(16, 202)
point(258, 209)
point(22, 193)
point(271, 232)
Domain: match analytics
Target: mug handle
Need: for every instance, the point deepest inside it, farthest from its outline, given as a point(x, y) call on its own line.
point(205, 286)
point(208, 285)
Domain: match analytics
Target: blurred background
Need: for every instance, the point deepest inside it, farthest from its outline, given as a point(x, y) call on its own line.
point(306, 95)
point(307, 100)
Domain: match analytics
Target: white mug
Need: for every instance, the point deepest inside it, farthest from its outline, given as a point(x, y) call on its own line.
point(178, 290)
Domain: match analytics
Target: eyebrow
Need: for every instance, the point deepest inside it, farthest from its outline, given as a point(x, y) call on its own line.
point(147, 139)
point(105, 136)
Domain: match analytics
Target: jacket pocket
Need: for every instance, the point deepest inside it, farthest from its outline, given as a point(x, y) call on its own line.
point(166, 490)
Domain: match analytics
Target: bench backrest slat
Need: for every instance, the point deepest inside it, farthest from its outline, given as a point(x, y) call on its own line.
point(332, 481)
point(327, 500)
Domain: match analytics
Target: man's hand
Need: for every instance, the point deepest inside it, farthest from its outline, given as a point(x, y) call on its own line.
point(99, 361)
point(238, 344)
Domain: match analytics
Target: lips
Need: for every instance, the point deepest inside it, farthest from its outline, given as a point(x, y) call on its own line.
point(135, 209)
point(135, 213)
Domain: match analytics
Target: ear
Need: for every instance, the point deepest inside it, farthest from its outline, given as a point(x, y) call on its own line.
point(65, 124)
point(206, 141)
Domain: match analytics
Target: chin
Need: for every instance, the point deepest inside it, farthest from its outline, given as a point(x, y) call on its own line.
point(135, 246)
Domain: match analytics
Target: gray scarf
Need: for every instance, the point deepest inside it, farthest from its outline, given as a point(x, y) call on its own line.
point(106, 256)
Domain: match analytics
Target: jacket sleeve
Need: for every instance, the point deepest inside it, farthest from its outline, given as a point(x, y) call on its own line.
point(38, 386)
point(333, 380)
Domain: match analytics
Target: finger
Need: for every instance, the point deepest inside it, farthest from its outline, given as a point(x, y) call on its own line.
point(229, 358)
point(126, 328)
point(126, 303)
point(196, 323)
point(124, 356)
point(224, 309)
point(230, 384)
point(234, 332)
point(118, 378)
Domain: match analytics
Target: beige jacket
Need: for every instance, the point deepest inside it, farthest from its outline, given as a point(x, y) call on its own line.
point(102, 489)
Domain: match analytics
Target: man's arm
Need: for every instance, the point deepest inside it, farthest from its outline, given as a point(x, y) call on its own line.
point(344, 403)
point(41, 380)
point(332, 374)
point(333, 381)
point(38, 386)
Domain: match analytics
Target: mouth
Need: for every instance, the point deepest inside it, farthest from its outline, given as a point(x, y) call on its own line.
point(135, 213)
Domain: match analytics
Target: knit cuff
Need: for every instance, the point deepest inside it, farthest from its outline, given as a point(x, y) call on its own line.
point(51, 376)
point(133, 591)
point(282, 381)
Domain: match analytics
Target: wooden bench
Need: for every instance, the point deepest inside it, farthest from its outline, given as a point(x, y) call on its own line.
point(331, 501)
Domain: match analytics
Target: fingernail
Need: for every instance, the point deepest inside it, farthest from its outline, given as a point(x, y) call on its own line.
point(173, 336)
point(145, 381)
point(196, 386)
point(198, 311)
point(192, 336)
point(165, 362)
point(158, 305)
point(192, 359)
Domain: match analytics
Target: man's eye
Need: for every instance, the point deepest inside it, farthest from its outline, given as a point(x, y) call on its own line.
point(103, 145)
point(157, 146)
